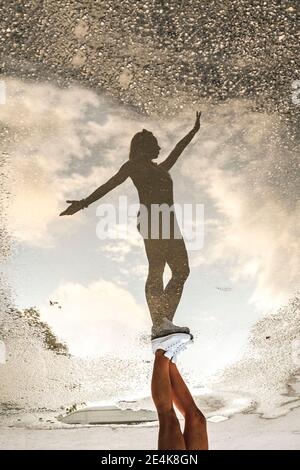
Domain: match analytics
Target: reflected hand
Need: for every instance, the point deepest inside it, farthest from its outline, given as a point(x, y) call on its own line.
point(75, 206)
point(197, 122)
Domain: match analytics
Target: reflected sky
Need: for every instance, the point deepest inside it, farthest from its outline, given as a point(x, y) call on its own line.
point(72, 140)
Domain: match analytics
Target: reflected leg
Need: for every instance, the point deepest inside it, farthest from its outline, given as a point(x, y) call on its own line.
point(154, 289)
point(177, 259)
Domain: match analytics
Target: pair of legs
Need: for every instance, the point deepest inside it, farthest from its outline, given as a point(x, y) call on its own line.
point(168, 388)
point(163, 302)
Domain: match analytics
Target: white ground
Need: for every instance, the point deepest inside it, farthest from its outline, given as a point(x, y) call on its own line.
point(239, 432)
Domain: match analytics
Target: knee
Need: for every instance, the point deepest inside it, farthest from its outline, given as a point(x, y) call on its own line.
point(201, 418)
point(163, 405)
point(167, 414)
point(182, 273)
point(186, 272)
point(196, 416)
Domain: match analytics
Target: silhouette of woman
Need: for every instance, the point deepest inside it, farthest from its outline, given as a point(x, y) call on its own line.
point(162, 238)
point(155, 188)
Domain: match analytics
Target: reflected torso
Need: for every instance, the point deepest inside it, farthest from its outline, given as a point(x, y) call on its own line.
point(154, 186)
point(153, 183)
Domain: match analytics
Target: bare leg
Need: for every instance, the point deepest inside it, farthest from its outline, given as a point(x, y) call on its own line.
point(172, 294)
point(195, 432)
point(170, 436)
point(154, 289)
point(177, 259)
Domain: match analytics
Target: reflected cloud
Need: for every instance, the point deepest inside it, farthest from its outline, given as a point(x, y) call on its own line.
point(96, 319)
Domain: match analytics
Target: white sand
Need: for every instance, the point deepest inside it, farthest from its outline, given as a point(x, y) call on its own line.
point(239, 432)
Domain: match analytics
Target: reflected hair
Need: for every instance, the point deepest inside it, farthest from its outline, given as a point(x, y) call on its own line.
point(139, 144)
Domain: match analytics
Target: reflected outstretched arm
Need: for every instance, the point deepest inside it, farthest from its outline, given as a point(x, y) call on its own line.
point(114, 181)
point(179, 148)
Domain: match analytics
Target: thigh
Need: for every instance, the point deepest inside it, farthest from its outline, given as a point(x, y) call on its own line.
point(177, 256)
point(156, 251)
